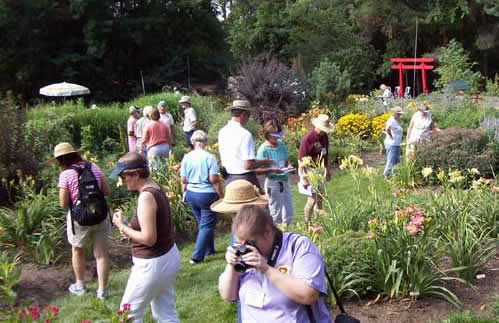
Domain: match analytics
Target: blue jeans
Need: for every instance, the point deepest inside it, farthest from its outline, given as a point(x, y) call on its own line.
point(206, 221)
point(157, 155)
point(392, 158)
point(188, 136)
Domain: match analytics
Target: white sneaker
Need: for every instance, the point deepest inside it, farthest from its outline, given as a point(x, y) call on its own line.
point(102, 294)
point(76, 289)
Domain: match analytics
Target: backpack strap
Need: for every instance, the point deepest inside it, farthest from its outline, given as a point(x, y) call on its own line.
point(78, 170)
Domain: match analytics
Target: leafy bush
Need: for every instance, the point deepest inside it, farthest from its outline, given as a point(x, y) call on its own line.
point(460, 149)
point(492, 86)
point(35, 225)
point(15, 151)
point(462, 115)
point(9, 275)
point(349, 262)
point(329, 84)
point(270, 86)
point(354, 124)
point(455, 64)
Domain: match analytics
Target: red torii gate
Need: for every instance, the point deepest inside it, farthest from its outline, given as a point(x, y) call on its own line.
point(422, 66)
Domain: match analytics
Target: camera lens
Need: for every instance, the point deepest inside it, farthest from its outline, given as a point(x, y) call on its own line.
point(240, 267)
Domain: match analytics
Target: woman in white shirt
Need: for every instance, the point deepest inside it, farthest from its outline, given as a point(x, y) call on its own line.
point(393, 131)
point(420, 129)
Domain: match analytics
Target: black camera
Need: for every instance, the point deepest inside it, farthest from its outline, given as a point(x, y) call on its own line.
point(242, 249)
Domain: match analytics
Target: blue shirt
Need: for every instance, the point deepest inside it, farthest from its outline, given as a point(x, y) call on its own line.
point(278, 154)
point(196, 167)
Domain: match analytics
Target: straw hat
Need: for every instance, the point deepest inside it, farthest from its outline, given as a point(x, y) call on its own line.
point(238, 193)
point(323, 123)
point(397, 109)
point(240, 105)
point(382, 87)
point(185, 99)
point(62, 149)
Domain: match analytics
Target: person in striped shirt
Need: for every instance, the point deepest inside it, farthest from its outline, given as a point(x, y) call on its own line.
point(67, 158)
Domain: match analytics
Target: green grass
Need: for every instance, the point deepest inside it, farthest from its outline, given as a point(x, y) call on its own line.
point(197, 298)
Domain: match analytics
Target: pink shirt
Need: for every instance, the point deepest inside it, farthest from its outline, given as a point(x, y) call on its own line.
point(68, 179)
point(156, 133)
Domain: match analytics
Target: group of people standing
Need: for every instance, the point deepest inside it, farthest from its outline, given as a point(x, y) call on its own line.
point(154, 134)
point(420, 130)
point(156, 259)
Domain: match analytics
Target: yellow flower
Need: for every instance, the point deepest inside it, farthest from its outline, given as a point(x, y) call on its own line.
point(370, 172)
point(2, 229)
point(427, 171)
point(119, 182)
point(455, 176)
point(441, 176)
point(473, 171)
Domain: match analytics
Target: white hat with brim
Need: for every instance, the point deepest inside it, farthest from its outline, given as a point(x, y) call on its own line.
point(397, 109)
point(323, 123)
point(64, 148)
point(185, 99)
point(238, 193)
point(240, 105)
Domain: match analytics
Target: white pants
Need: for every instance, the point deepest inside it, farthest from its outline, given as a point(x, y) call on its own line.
point(152, 281)
point(280, 201)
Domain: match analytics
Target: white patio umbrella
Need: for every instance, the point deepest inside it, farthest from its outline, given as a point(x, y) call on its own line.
point(64, 89)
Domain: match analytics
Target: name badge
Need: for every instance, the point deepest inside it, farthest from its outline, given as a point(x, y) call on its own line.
point(254, 298)
point(324, 152)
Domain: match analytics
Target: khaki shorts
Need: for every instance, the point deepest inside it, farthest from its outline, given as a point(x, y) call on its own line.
point(84, 234)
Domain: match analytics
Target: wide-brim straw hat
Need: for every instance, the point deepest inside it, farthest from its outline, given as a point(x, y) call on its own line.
point(240, 105)
point(185, 99)
point(238, 193)
point(62, 149)
point(397, 110)
point(323, 123)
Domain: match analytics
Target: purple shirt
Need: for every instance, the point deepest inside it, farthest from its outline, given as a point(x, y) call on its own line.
point(261, 301)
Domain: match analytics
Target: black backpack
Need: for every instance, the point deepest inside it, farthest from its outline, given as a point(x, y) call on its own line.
point(91, 206)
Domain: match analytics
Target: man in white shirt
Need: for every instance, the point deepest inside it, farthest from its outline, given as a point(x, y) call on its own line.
point(190, 119)
point(237, 148)
point(167, 118)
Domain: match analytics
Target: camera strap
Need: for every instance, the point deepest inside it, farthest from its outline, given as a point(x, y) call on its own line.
point(276, 248)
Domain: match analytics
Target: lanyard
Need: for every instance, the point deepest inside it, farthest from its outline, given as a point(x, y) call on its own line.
point(276, 248)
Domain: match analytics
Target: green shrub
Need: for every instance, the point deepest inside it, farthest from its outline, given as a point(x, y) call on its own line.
point(463, 115)
point(15, 151)
point(492, 86)
point(329, 84)
point(455, 64)
point(460, 149)
point(348, 259)
point(9, 276)
point(35, 225)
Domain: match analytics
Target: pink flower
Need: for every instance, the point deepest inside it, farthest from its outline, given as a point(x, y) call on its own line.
point(126, 307)
point(413, 208)
point(412, 229)
point(22, 313)
point(418, 219)
point(51, 309)
point(86, 321)
point(46, 321)
point(316, 229)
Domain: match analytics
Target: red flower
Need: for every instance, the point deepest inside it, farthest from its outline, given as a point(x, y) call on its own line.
point(119, 313)
point(34, 312)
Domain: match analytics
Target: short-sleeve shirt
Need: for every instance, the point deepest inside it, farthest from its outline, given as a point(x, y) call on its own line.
point(196, 167)
point(306, 264)
point(314, 145)
point(167, 119)
point(396, 130)
point(68, 179)
point(278, 154)
point(156, 133)
point(421, 127)
point(235, 144)
point(189, 118)
point(131, 125)
point(141, 126)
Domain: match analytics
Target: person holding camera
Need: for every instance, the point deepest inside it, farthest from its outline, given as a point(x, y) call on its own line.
point(277, 276)
point(156, 259)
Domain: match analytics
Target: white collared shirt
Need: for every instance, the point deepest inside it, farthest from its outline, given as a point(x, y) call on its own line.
point(235, 144)
point(189, 118)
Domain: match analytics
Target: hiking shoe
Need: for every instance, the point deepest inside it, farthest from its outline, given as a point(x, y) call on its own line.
point(76, 289)
point(102, 294)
